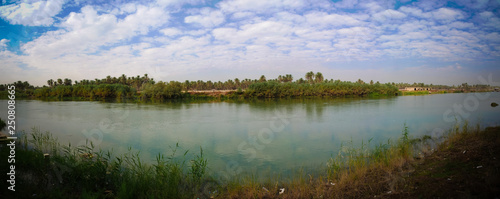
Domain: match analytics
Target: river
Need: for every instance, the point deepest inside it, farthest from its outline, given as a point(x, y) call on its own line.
point(257, 136)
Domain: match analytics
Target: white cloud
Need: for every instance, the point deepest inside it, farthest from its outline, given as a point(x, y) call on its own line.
point(461, 25)
point(450, 68)
point(88, 31)
point(415, 12)
point(388, 15)
point(291, 18)
point(171, 32)
point(242, 15)
point(322, 19)
point(3, 44)
point(244, 35)
point(232, 6)
point(374, 7)
point(39, 13)
point(207, 18)
point(441, 14)
point(447, 14)
point(489, 19)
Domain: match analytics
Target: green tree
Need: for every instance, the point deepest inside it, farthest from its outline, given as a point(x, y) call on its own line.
point(67, 82)
point(237, 83)
point(310, 76)
point(318, 77)
point(50, 82)
point(262, 78)
point(288, 78)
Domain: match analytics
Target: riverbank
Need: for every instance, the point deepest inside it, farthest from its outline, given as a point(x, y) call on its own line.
point(466, 165)
point(463, 165)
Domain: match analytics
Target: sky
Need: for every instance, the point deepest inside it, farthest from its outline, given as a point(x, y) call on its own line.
point(434, 41)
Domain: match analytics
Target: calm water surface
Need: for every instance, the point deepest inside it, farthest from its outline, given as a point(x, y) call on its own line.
point(256, 136)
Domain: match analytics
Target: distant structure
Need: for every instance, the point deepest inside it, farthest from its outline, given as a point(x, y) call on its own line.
point(417, 89)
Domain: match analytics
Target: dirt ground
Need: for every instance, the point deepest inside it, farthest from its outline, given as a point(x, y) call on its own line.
point(465, 167)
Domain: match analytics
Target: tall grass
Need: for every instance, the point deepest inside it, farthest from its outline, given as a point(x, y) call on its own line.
point(351, 159)
point(67, 171)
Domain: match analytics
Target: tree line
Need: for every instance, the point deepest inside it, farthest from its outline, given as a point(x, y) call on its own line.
point(312, 84)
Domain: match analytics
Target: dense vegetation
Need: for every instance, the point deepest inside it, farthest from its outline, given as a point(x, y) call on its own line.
point(331, 89)
point(313, 84)
point(86, 91)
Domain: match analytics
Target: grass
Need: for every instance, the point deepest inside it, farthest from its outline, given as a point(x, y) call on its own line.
point(69, 171)
point(389, 169)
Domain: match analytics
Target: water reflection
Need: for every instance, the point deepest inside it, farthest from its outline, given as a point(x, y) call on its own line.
point(315, 128)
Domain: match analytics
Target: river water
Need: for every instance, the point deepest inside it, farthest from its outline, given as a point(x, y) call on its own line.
point(257, 136)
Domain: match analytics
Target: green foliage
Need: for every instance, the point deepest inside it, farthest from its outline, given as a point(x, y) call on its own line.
point(272, 89)
point(351, 157)
point(86, 91)
point(405, 141)
point(198, 167)
point(162, 90)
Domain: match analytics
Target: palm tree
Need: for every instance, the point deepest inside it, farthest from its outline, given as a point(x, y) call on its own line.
point(310, 76)
point(262, 78)
point(301, 81)
point(318, 78)
point(50, 82)
point(237, 82)
point(59, 81)
point(186, 85)
point(67, 82)
point(123, 79)
point(108, 79)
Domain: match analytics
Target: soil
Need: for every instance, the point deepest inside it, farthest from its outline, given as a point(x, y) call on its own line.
point(465, 167)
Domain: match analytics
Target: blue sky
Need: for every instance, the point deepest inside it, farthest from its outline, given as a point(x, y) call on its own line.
point(433, 41)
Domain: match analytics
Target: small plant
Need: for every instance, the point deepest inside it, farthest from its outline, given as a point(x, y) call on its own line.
point(404, 146)
point(198, 167)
